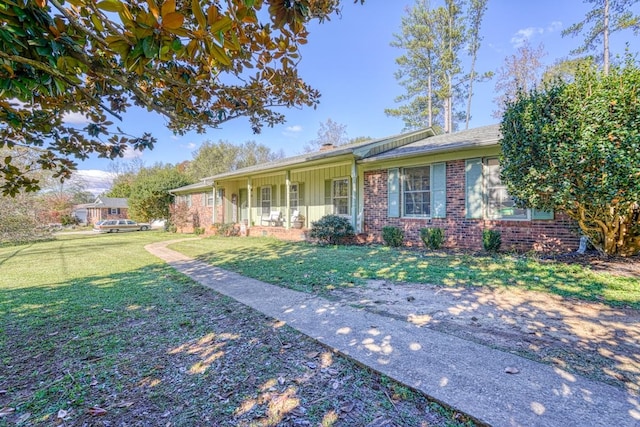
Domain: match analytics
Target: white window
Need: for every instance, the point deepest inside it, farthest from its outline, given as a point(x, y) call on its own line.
point(188, 200)
point(499, 204)
point(114, 211)
point(209, 200)
point(340, 196)
point(265, 200)
point(416, 191)
point(294, 197)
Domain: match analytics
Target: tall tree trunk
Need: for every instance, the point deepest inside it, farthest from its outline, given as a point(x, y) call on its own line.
point(605, 37)
point(430, 100)
point(471, 79)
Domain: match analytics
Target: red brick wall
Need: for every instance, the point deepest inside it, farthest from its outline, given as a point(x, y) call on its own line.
point(460, 232)
point(199, 215)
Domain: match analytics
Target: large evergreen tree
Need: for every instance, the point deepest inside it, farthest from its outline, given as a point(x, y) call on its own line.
point(575, 147)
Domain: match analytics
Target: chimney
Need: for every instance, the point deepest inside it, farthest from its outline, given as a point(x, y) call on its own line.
point(327, 146)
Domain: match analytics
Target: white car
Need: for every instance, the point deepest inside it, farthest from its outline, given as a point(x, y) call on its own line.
point(118, 225)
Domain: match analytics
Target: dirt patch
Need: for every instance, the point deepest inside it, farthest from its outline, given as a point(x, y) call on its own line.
point(591, 339)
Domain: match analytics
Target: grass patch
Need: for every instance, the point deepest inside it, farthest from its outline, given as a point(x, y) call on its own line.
point(95, 324)
point(312, 268)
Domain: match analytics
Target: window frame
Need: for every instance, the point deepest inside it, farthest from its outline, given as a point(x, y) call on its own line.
point(489, 187)
point(262, 200)
point(403, 180)
point(347, 198)
point(294, 203)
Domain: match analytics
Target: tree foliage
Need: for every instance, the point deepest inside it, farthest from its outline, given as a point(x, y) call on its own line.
point(435, 41)
point(575, 147)
point(197, 63)
point(223, 156)
point(606, 17)
point(149, 198)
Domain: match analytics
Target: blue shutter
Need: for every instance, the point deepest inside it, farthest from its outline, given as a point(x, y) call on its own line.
point(542, 215)
point(393, 193)
point(473, 188)
point(439, 190)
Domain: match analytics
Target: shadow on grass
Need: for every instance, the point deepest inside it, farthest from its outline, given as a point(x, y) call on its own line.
point(149, 346)
point(313, 268)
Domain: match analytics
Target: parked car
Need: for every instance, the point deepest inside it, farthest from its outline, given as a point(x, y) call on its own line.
point(118, 225)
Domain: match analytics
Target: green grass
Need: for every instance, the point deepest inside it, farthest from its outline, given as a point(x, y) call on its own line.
point(95, 321)
point(312, 268)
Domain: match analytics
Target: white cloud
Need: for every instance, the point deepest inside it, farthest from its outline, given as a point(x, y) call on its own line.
point(131, 153)
point(525, 34)
point(75, 118)
point(292, 131)
point(554, 26)
point(521, 36)
point(94, 180)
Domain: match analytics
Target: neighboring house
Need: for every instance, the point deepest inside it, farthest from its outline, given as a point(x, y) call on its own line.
point(106, 208)
point(410, 181)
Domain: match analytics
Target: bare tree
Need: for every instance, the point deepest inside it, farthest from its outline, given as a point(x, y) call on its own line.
point(520, 72)
point(330, 133)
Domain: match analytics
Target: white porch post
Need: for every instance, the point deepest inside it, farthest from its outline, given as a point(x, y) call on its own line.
point(287, 212)
point(354, 195)
point(249, 197)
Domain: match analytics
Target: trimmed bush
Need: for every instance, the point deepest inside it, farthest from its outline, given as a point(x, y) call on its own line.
point(433, 238)
point(392, 236)
point(491, 240)
point(331, 229)
point(198, 231)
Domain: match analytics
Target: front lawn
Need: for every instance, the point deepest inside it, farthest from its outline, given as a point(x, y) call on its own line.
point(96, 331)
point(312, 268)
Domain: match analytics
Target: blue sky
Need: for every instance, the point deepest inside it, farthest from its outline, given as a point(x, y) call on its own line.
point(349, 60)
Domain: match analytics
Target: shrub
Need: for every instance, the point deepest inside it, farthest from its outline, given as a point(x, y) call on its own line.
point(392, 236)
point(227, 230)
point(331, 229)
point(198, 231)
point(69, 220)
point(433, 238)
point(491, 240)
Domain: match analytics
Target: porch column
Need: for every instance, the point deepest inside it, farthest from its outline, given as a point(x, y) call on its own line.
point(354, 195)
point(215, 199)
point(287, 211)
point(249, 198)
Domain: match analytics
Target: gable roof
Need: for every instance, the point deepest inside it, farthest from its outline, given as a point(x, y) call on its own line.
point(479, 137)
point(202, 186)
point(109, 202)
point(359, 150)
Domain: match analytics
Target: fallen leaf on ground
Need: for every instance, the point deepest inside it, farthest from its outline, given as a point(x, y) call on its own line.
point(124, 404)
point(23, 418)
point(511, 370)
point(6, 411)
point(96, 411)
point(312, 354)
point(62, 414)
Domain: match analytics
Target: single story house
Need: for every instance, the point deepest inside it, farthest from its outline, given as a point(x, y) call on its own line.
point(105, 208)
point(413, 180)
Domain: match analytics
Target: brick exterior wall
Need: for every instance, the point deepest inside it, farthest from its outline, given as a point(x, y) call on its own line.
point(199, 215)
point(559, 234)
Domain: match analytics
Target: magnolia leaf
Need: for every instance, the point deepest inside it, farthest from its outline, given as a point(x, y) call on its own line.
point(212, 14)
point(169, 6)
point(173, 20)
point(97, 22)
point(110, 6)
point(222, 24)
point(197, 12)
point(153, 8)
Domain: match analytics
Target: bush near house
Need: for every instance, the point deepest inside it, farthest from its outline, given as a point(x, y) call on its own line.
point(491, 240)
point(433, 238)
point(392, 236)
point(331, 229)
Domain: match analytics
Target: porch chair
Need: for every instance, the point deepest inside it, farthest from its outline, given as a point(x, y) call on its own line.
point(273, 219)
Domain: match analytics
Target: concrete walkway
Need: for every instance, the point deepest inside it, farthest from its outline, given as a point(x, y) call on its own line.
point(469, 377)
